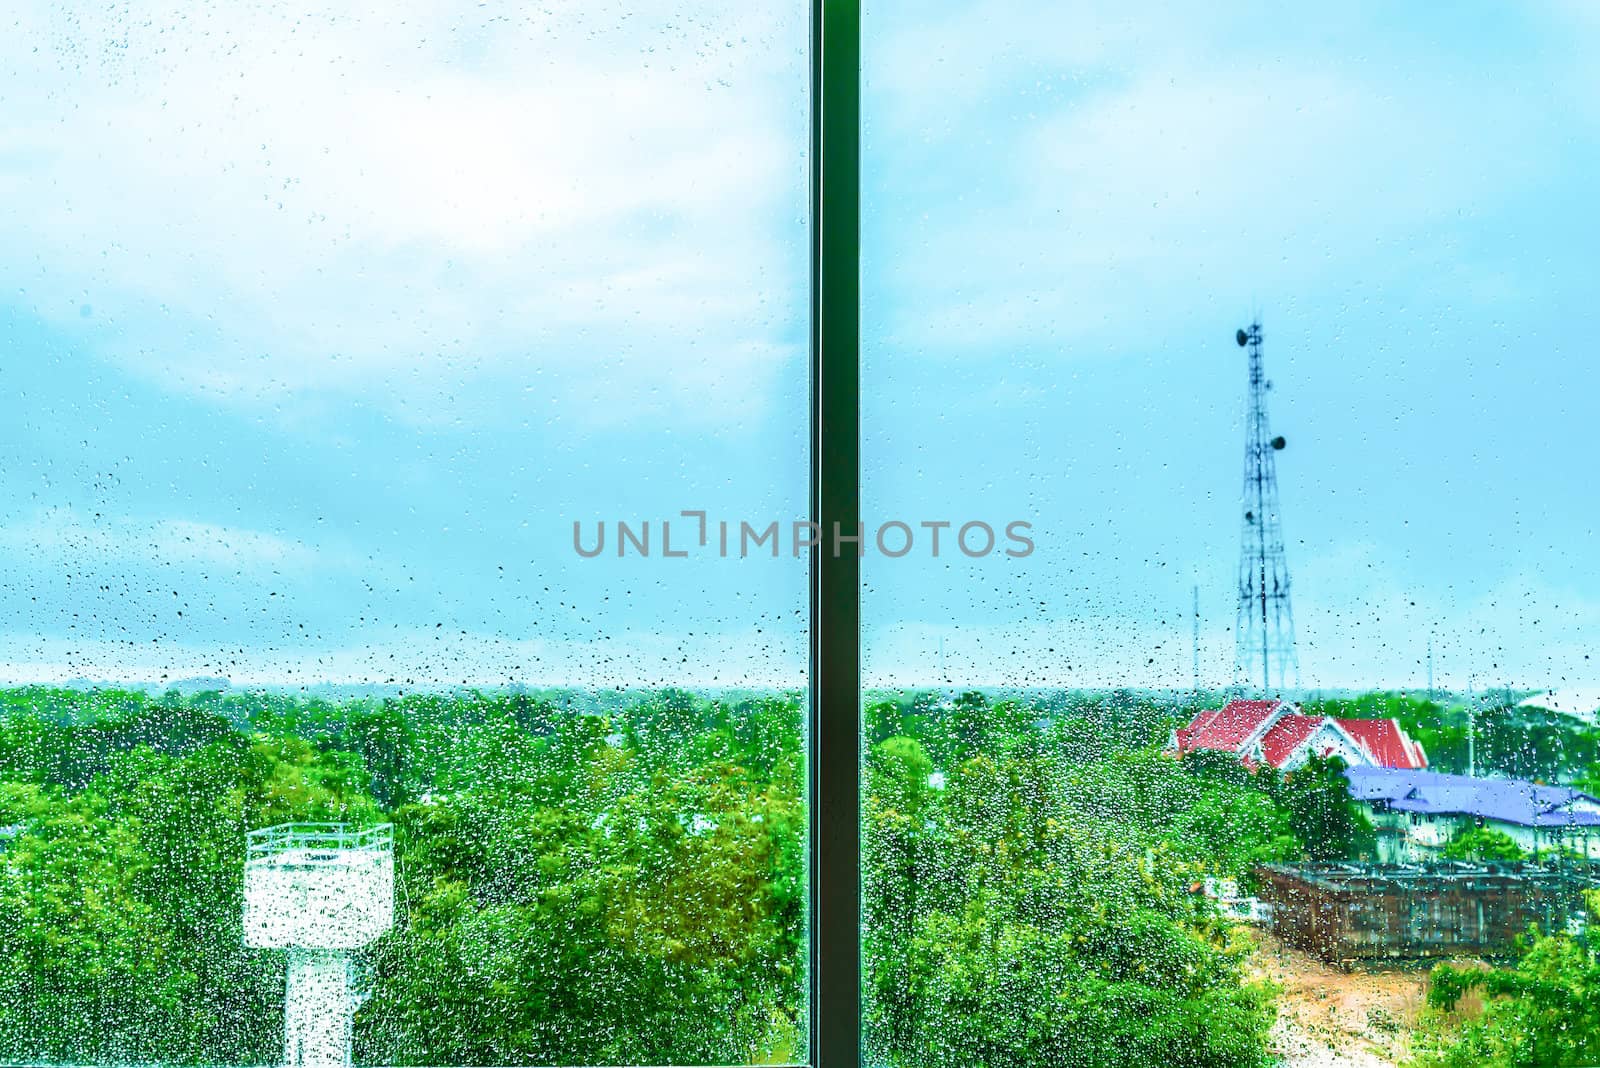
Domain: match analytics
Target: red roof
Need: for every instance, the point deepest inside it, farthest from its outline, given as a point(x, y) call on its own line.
point(1225, 728)
point(1387, 744)
point(1286, 735)
point(1229, 728)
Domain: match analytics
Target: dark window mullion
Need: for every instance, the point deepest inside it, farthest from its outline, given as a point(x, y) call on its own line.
point(835, 708)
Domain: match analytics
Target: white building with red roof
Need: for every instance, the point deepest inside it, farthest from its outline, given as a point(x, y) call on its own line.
point(1276, 733)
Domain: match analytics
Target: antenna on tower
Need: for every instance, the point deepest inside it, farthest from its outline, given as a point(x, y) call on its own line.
point(1197, 640)
point(1472, 748)
point(1430, 667)
point(1264, 632)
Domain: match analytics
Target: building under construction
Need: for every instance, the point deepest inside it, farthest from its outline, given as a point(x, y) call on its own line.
point(1347, 911)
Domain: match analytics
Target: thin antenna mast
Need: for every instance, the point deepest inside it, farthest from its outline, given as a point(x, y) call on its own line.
point(1197, 640)
point(1472, 753)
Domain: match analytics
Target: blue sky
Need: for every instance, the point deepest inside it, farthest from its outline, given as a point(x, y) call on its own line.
point(319, 332)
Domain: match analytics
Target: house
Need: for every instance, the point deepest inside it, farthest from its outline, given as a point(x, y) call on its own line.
point(1277, 733)
point(1416, 813)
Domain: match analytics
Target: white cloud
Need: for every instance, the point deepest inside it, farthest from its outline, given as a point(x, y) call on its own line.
point(769, 656)
point(63, 532)
point(253, 205)
point(1095, 169)
point(1375, 621)
point(1076, 650)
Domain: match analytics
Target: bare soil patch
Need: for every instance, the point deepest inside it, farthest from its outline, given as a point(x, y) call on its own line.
point(1332, 1018)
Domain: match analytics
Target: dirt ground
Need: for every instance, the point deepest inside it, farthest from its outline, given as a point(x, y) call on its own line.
point(1329, 1018)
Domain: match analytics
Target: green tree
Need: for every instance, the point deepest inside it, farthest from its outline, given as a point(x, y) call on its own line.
point(1542, 1013)
point(1321, 814)
point(1483, 844)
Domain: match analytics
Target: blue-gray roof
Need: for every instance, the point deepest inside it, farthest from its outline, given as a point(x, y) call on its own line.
point(1507, 800)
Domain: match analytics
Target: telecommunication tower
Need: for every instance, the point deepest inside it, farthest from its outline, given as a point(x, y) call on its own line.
point(1264, 633)
point(320, 891)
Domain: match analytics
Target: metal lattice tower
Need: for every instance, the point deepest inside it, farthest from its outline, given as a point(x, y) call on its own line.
point(1264, 633)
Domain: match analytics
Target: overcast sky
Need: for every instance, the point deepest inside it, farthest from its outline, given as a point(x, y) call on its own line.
point(319, 332)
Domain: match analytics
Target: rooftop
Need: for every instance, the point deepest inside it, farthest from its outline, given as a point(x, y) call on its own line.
point(1286, 735)
point(1280, 734)
point(1226, 727)
point(1386, 742)
point(1507, 800)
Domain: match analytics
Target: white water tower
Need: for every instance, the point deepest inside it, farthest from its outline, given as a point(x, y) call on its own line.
point(320, 891)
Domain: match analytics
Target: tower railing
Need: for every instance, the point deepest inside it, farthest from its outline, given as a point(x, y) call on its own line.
point(318, 837)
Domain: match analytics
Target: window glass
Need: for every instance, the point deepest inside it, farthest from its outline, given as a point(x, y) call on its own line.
point(1109, 253)
point(335, 338)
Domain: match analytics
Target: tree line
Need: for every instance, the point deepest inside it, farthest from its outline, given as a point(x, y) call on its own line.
point(622, 880)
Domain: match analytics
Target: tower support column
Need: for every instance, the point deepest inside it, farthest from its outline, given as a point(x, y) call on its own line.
point(319, 1009)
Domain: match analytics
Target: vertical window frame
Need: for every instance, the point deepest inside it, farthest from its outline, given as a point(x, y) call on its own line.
point(833, 745)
